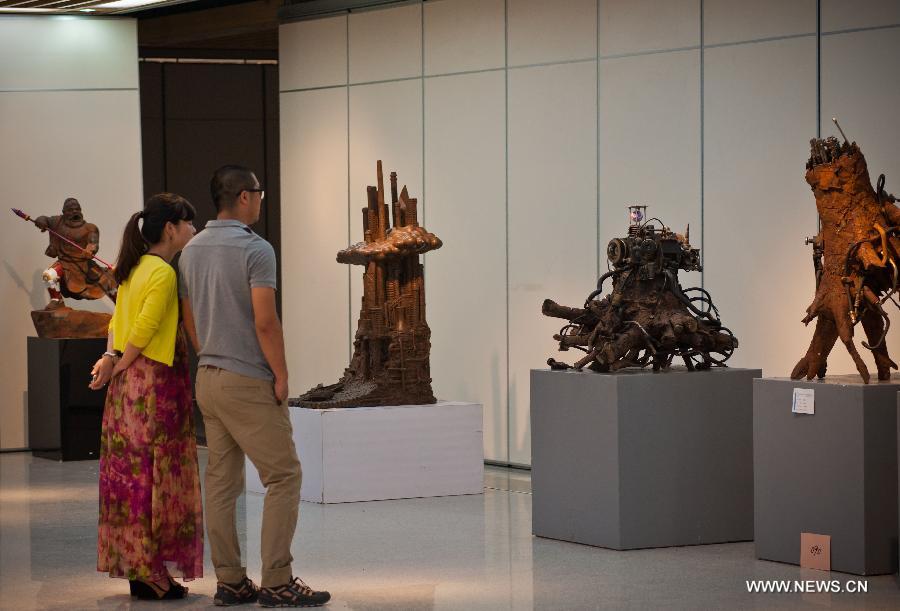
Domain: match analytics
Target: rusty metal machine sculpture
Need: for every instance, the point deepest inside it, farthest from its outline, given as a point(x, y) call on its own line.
point(390, 363)
point(648, 319)
point(855, 256)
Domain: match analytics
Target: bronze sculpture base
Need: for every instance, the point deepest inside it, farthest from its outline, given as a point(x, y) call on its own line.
point(358, 393)
point(64, 322)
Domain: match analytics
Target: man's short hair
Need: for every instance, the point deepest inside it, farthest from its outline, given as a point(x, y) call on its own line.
point(227, 183)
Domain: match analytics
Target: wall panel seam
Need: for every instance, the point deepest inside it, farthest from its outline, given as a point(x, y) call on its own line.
point(388, 80)
point(597, 127)
point(412, 78)
point(213, 120)
point(317, 88)
point(465, 72)
point(647, 52)
point(759, 40)
point(702, 156)
point(542, 64)
point(563, 62)
point(506, 210)
point(72, 90)
point(870, 28)
point(422, 66)
point(349, 206)
point(818, 69)
point(164, 120)
point(818, 87)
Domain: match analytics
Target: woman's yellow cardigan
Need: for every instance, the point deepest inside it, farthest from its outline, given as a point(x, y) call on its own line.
point(146, 314)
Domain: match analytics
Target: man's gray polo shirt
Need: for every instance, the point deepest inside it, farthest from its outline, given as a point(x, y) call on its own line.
point(218, 268)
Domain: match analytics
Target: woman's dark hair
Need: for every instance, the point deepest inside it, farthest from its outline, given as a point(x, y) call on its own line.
point(160, 209)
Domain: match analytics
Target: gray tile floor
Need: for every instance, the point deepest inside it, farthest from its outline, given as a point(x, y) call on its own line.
point(466, 552)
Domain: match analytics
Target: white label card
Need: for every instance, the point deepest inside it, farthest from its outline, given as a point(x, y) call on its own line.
point(804, 401)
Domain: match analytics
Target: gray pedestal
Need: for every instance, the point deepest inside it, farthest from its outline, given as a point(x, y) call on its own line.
point(636, 459)
point(830, 473)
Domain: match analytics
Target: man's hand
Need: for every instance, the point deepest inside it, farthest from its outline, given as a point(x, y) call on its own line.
point(281, 390)
point(187, 315)
point(271, 339)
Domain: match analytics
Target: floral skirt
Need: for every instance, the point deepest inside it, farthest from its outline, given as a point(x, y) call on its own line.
point(151, 517)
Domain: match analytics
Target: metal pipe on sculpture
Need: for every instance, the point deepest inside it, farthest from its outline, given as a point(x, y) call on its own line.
point(838, 125)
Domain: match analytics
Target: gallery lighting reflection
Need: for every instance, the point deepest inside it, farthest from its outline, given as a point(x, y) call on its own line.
point(129, 3)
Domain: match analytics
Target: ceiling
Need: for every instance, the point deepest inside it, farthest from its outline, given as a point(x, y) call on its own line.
point(213, 27)
point(77, 7)
point(198, 28)
point(171, 28)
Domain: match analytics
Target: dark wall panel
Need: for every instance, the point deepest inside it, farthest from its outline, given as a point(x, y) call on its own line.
point(196, 148)
point(152, 131)
point(272, 182)
point(214, 91)
point(197, 117)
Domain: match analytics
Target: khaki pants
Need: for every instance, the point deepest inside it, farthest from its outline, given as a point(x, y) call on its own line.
point(242, 417)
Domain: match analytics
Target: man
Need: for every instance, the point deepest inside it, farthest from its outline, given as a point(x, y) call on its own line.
point(74, 274)
point(228, 301)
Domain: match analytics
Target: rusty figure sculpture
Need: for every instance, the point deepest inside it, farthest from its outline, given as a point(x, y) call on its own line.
point(77, 273)
point(647, 319)
point(855, 256)
point(74, 243)
point(390, 363)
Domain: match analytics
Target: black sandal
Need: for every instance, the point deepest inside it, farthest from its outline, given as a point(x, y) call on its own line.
point(174, 585)
point(144, 591)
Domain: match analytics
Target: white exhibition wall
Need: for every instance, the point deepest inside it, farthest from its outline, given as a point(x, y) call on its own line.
point(69, 127)
point(526, 127)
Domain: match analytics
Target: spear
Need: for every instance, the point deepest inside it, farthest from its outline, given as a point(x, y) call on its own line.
point(839, 128)
point(21, 214)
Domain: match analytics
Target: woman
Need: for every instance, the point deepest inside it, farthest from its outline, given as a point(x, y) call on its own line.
point(151, 520)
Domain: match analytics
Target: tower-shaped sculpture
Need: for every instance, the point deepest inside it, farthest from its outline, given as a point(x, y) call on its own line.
point(390, 364)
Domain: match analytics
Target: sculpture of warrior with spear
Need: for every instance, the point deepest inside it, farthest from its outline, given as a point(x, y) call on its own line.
point(74, 243)
point(77, 273)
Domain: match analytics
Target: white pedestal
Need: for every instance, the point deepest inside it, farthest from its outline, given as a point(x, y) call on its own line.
point(394, 452)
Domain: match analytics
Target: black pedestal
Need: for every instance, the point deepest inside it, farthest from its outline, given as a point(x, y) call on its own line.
point(64, 415)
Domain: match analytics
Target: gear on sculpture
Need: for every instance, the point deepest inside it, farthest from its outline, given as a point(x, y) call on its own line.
point(648, 319)
point(855, 256)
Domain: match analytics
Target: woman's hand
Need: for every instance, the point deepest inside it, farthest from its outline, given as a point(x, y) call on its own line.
point(120, 367)
point(101, 373)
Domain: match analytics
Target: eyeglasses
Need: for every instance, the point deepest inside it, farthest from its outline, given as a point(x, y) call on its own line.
point(262, 192)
